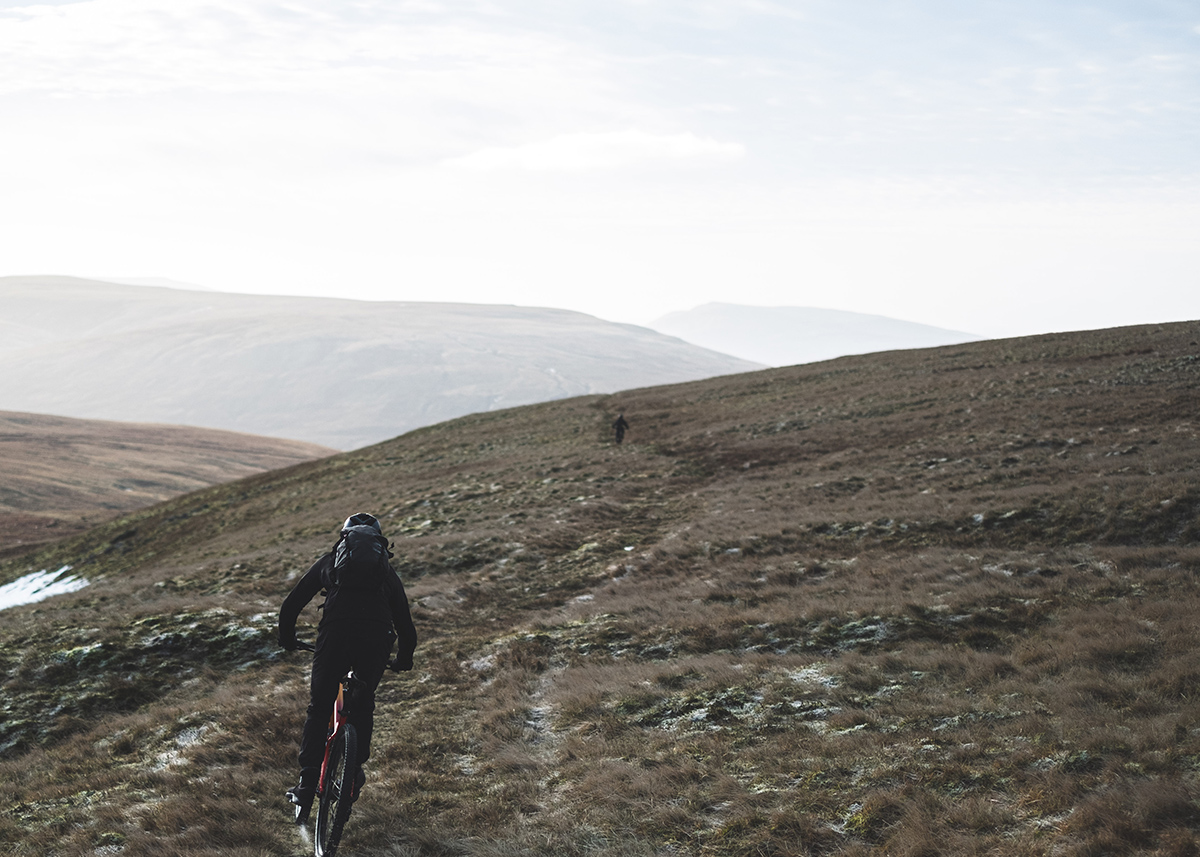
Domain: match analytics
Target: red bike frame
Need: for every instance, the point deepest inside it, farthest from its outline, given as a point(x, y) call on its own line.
point(337, 721)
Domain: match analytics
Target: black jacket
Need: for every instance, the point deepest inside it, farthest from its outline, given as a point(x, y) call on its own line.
point(351, 607)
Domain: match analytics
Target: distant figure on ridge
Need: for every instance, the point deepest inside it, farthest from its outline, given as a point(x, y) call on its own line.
point(619, 427)
point(365, 610)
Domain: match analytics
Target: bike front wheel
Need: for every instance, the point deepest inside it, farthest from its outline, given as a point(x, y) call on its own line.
point(337, 793)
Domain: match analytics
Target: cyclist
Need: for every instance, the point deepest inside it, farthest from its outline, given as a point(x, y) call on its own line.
point(619, 426)
point(358, 627)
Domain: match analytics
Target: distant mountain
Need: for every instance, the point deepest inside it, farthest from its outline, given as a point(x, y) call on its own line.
point(164, 282)
point(59, 475)
point(785, 336)
point(340, 373)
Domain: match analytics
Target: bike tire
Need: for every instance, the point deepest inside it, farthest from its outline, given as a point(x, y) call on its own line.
point(336, 796)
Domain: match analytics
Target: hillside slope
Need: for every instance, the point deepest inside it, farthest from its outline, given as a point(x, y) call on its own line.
point(340, 373)
point(58, 476)
point(927, 602)
point(787, 335)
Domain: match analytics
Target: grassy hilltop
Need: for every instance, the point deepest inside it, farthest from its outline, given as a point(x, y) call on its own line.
point(61, 476)
point(916, 603)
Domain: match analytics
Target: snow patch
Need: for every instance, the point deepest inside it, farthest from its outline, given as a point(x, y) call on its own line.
point(38, 586)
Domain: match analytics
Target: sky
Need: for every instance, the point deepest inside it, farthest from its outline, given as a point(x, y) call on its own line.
point(1000, 167)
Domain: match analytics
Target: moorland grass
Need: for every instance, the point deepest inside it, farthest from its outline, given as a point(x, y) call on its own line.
point(924, 603)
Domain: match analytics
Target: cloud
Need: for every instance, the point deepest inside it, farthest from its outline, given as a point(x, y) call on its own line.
point(137, 48)
point(722, 143)
point(263, 87)
point(602, 151)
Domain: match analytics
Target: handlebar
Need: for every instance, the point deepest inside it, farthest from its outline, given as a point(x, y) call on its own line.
point(309, 647)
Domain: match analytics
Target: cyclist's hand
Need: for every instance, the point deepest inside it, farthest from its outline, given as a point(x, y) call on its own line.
point(289, 645)
point(400, 666)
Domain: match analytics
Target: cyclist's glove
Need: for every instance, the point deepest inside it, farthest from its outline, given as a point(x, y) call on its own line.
point(289, 645)
point(401, 666)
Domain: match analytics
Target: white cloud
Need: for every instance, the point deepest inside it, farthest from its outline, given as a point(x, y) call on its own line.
point(143, 47)
point(910, 161)
point(231, 87)
point(609, 150)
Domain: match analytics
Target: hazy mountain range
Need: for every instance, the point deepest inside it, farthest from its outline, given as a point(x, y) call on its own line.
point(786, 336)
point(340, 373)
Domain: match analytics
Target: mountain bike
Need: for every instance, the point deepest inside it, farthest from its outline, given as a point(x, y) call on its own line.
point(337, 788)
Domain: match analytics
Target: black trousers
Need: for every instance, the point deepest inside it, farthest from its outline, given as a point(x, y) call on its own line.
point(341, 646)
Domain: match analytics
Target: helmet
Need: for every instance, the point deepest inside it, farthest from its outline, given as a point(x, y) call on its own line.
point(362, 519)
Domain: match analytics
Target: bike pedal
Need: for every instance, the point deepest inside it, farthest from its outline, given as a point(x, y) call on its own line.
point(301, 807)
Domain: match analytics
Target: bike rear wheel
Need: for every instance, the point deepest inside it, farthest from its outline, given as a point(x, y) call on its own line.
point(337, 792)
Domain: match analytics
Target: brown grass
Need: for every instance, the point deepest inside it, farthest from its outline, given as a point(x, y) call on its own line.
point(61, 476)
point(934, 602)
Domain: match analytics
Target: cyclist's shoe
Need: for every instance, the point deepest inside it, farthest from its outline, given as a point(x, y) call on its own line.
point(360, 778)
point(302, 801)
point(301, 795)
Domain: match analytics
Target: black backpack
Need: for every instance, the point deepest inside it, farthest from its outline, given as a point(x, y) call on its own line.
point(360, 560)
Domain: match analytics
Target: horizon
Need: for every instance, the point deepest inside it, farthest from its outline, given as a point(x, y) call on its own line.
point(1004, 170)
point(167, 283)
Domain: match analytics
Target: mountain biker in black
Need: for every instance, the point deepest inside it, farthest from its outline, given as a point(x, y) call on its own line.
point(619, 426)
point(357, 631)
